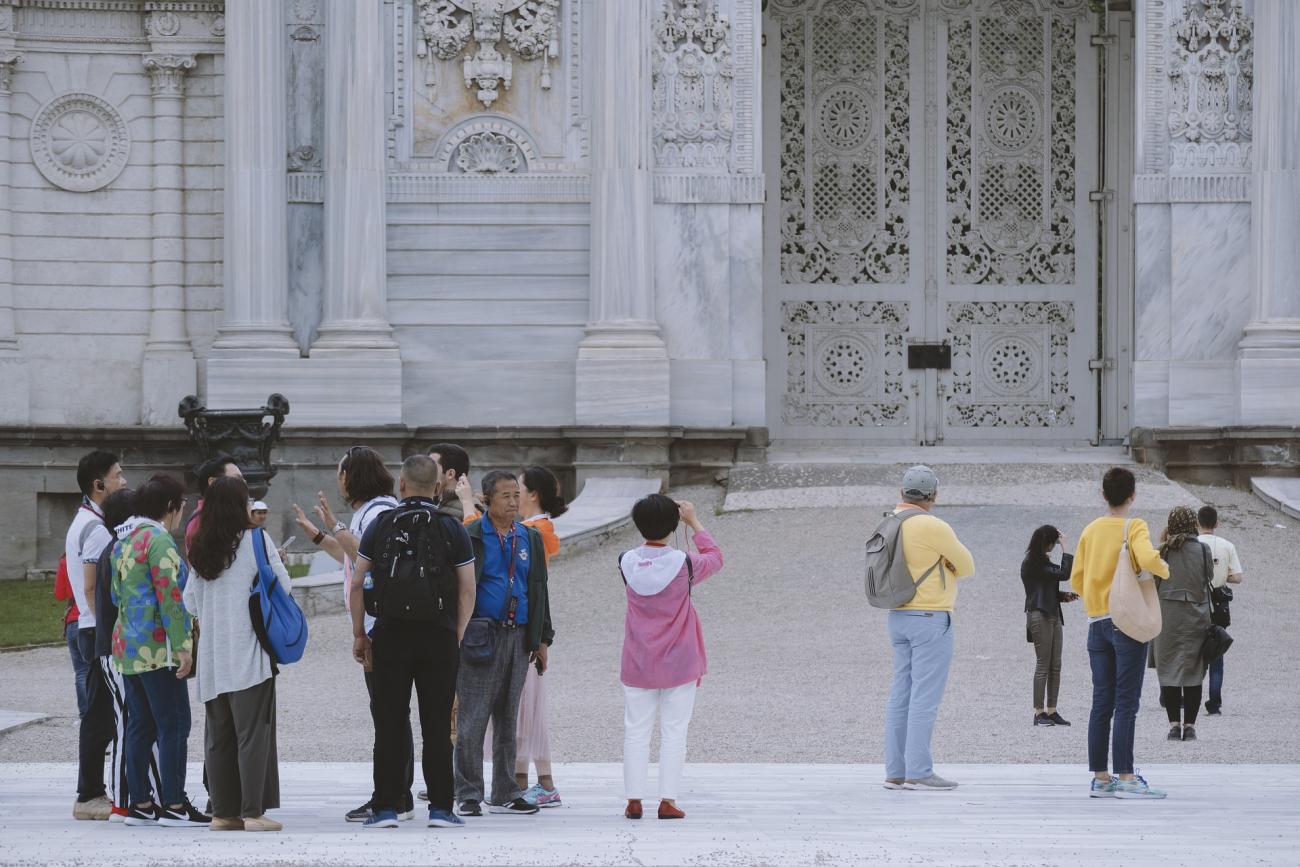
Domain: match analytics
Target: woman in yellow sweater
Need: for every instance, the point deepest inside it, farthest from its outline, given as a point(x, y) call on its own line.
point(1118, 662)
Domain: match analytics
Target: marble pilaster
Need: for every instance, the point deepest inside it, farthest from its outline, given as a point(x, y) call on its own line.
point(169, 371)
point(622, 374)
point(15, 405)
point(1268, 361)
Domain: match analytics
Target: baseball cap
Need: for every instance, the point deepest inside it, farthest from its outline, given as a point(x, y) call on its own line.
point(920, 481)
point(259, 506)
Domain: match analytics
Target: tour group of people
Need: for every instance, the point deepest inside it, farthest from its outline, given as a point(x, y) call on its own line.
point(446, 591)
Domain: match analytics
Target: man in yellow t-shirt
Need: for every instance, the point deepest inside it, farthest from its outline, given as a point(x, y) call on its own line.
point(921, 635)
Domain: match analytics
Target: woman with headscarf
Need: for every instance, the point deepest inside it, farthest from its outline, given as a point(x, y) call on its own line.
point(1185, 611)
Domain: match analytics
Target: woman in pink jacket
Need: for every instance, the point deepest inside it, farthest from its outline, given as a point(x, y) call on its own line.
point(663, 647)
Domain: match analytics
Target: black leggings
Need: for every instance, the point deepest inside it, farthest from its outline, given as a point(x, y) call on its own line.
point(1181, 698)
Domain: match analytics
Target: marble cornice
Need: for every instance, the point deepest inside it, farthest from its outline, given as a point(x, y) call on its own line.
point(1165, 189)
point(703, 188)
point(309, 187)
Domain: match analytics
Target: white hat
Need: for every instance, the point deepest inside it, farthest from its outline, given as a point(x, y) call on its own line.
point(259, 506)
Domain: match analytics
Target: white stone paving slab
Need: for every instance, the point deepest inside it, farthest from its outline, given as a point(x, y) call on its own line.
point(737, 814)
point(16, 719)
point(1280, 493)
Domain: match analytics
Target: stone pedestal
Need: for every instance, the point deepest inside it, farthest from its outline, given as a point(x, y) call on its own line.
point(15, 406)
point(1268, 359)
point(622, 367)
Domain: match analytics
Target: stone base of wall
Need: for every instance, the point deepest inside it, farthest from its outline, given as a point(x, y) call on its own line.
point(38, 470)
point(1220, 455)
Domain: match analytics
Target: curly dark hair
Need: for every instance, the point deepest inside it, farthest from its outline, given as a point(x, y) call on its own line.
point(367, 476)
point(225, 518)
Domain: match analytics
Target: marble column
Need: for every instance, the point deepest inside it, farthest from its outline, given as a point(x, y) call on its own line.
point(622, 368)
point(256, 270)
point(1268, 358)
point(356, 289)
point(169, 371)
point(14, 377)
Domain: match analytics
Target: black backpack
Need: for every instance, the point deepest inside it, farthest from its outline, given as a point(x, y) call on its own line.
point(412, 576)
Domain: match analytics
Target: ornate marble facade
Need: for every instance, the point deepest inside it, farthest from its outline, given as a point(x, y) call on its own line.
point(699, 213)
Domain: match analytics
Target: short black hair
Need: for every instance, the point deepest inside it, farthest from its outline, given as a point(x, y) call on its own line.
point(158, 496)
point(492, 479)
point(118, 508)
point(212, 468)
point(656, 516)
point(1118, 485)
point(367, 476)
point(1208, 517)
point(93, 468)
point(451, 457)
point(420, 473)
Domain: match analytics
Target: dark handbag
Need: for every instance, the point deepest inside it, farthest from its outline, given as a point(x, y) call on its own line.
point(1220, 611)
point(1217, 640)
point(479, 644)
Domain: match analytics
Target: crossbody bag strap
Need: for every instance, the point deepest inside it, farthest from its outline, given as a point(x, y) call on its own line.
point(690, 576)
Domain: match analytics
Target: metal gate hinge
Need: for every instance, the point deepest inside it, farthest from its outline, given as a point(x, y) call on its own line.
point(1103, 40)
point(1101, 364)
point(1101, 195)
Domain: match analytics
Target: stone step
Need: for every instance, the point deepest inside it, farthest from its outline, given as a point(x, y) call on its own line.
point(1279, 492)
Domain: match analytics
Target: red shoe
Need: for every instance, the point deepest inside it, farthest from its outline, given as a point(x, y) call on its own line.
point(670, 811)
point(118, 814)
point(633, 810)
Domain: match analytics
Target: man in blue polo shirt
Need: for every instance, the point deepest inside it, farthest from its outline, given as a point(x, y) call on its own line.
point(514, 615)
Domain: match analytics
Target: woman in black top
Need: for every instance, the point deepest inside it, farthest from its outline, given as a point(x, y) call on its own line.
point(1043, 597)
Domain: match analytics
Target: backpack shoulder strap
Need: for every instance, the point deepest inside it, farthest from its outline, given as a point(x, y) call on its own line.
point(690, 575)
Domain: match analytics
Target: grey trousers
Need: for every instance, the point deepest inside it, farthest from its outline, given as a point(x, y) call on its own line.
point(1048, 637)
point(239, 742)
point(490, 690)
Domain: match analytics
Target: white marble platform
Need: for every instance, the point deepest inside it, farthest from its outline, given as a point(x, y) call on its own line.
point(11, 720)
point(737, 814)
point(1280, 493)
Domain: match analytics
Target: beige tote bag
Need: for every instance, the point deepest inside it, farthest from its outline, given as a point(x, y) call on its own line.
point(1134, 605)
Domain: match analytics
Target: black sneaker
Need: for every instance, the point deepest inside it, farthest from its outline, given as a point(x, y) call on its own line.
point(360, 814)
point(1213, 709)
point(1175, 732)
point(184, 816)
point(1189, 733)
point(1042, 719)
point(137, 815)
point(1058, 720)
point(518, 807)
point(470, 808)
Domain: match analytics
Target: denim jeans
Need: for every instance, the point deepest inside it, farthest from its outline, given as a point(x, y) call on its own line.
point(1118, 666)
point(922, 642)
point(158, 709)
point(1216, 685)
point(80, 665)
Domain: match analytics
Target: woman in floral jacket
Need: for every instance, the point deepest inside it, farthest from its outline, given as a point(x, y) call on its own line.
point(152, 648)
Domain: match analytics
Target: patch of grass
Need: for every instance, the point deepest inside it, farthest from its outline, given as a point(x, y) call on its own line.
point(299, 571)
point(29, 613)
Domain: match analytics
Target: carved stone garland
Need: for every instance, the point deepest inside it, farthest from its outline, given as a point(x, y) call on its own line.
point(1011, 364)
point(1011, 211)
point(693, 77)
point(1210, 76)
point(845, 166)
point(529, 28)
point(844, 363)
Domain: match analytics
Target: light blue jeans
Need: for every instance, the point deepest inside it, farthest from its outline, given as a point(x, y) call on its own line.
point(922, 643)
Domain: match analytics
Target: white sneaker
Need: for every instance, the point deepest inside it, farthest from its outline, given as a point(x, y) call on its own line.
point(932, 783)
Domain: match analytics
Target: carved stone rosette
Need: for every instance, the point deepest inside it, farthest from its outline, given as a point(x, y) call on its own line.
point(693, 80)
point(529, 29)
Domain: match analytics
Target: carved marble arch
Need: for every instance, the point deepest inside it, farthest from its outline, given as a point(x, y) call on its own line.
point(845, 140)
point(487, 145)
point(1011, 131)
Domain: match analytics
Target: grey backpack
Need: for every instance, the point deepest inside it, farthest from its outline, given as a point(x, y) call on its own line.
point(889, 581)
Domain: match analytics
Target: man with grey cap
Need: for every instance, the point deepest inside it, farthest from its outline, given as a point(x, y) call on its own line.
point(921, 634)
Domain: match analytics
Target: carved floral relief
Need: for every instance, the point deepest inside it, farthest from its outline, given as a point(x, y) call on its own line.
point(693, 78)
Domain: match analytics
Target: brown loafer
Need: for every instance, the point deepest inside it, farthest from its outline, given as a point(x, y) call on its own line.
point(633, 810)
point(261, 823)
point(219, 824)
point(670, 811)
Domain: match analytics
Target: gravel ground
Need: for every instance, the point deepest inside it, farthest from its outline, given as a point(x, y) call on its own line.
point(799, 662)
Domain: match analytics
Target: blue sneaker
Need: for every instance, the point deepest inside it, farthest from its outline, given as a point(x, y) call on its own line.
point(1102, 790)
point(1137, 789)
point(439, 818)
point(381, 819)
point(539, 796)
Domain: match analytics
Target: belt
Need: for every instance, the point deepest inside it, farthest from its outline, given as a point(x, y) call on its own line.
point(501, 624)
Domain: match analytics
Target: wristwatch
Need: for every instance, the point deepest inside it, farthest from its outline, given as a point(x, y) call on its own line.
point(338, 525)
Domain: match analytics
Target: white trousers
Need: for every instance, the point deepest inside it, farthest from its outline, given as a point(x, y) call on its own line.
point(674, 707)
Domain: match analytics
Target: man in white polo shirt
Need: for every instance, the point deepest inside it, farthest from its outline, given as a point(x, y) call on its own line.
point(1227, 570)
point(98, 475)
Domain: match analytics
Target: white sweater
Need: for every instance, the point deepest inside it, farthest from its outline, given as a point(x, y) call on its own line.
point(230, 658)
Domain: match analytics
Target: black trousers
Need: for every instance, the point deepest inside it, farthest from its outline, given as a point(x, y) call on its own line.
point(98, 725)
point(425, 656)
point(1181, 698)
point(408, 803)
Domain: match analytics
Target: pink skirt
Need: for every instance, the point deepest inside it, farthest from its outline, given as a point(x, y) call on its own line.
point(532, 732)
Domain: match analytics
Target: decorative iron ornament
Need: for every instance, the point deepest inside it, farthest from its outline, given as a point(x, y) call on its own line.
point(247, 435)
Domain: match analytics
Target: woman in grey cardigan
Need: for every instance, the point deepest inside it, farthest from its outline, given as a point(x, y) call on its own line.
point(235, 675)
point(1185, 610)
